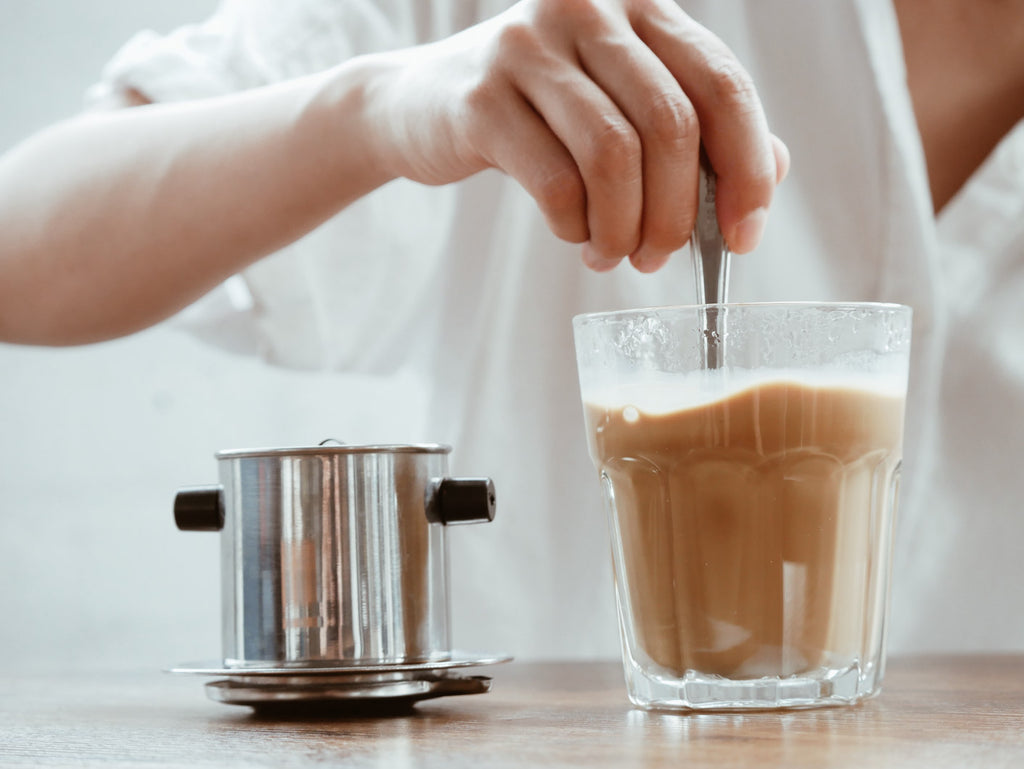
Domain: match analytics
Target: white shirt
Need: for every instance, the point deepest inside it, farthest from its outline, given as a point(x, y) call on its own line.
point(466, 285)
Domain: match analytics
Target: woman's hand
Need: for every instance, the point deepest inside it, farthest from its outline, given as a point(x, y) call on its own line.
point(598, 108)
point(112, 222)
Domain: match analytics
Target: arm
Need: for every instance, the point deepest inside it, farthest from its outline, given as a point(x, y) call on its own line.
point(112, 222)
point(115, 220)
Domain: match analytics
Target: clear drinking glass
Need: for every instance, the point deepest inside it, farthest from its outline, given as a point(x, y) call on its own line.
point(751, 504)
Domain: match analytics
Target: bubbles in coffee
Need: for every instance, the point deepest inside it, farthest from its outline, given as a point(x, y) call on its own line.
point(750, 524)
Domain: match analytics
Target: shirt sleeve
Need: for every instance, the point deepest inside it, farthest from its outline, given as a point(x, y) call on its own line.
point(194, 62)
point(326, 301)
point(248, 43)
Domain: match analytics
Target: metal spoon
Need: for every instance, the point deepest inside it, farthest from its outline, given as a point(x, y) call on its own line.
point(710, 266)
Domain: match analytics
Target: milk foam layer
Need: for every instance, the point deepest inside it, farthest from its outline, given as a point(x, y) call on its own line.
point(663, 393)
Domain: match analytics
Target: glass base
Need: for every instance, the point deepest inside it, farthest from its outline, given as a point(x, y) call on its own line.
point(822, 687)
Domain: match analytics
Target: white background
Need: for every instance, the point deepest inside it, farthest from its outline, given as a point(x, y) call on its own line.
point(95, 441)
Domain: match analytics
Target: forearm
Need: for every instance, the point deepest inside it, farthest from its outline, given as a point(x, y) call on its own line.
point(110, 223)
point(113, 221)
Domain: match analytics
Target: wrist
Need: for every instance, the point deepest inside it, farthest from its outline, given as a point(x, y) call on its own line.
point(343, 117)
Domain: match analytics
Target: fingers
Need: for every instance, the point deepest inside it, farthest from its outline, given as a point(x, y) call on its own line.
point(625, 122)
point(610, 103)
point(602, 142)
point(666, 123)
point(548, 171)
point(733, 127)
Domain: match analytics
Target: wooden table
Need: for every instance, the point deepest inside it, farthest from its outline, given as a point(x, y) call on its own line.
point(934, 712)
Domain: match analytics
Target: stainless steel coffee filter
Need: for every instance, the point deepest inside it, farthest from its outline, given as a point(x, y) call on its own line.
point(329, 555)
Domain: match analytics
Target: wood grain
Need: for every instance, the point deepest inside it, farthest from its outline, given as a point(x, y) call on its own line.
point(934, 712)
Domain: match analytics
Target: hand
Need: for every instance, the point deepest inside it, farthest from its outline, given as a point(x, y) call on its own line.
point(598, 108)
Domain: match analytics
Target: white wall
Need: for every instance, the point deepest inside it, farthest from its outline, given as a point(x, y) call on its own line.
point(94, 441)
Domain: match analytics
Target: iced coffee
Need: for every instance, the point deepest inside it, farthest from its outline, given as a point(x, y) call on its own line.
point(751, 513)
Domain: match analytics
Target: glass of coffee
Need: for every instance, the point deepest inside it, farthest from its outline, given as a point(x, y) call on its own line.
point(751, 503)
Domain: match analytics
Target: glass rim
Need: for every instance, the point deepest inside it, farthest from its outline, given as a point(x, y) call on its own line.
point(893, 307)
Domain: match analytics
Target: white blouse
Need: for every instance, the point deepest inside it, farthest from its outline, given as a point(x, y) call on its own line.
point(465, 285)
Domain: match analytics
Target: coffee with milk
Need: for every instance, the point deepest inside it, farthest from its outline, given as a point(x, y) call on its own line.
point(748, 522)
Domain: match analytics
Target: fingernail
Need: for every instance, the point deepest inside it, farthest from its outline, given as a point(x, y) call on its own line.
point(646, 261)
point(596, 261)
point(747, 234)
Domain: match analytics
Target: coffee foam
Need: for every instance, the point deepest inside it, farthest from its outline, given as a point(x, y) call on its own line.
point(656, 393)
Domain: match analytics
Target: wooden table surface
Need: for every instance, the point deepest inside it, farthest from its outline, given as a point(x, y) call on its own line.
point(933, 712)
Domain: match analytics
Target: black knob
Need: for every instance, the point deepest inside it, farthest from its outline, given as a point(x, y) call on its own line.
point(200, 508)
point(460, 500)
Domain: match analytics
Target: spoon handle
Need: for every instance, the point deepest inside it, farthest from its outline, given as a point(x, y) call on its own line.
point(710, 264)
point(710, 253)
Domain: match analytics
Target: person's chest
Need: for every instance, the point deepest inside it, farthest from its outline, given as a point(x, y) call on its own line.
point(965, 71)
